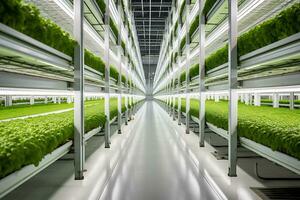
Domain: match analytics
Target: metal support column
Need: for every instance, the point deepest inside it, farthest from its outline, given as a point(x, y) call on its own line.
point(120, 71)
point(187, 79)
point(8, 101)
point(79, 149)
point(46, 100)
point(107, 75)
point(233, 96)
point(202, 97)
point(126, 88)
point(31, 101)
point(275, 100)
point(257, 98)
point(292, 100)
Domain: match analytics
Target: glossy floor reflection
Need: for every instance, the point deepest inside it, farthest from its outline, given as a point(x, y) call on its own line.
point(156, 165)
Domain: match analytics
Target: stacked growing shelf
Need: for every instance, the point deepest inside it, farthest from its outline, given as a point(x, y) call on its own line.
point(41, 59)
point(264, 61)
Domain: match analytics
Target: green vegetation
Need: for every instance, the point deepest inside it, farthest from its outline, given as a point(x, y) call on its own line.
point(101, 5)
point(26, 19)
point(25, 142)
point(181, 10)
point(208, 6)
point(123, 47)
point(264, 125)
point(182, 44)
point(194, 26)
point(297, 102)
point(175, 29)
point(114, 28)
point(182, 77)
point(194, 71)
point(283, 25)
point(93, 61)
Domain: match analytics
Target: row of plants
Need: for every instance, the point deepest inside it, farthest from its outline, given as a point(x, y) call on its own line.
point(297, 102)
point(114, 28)
point(102, 5)
point(26, 19)
point(283, 25)
point(181, 10)
point(277, 28)
point(27, 141)
point(262, 124)
point(25, 110)
point(194, 26)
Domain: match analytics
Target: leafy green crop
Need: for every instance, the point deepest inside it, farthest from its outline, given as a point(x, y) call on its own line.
point(194, 26)
point(102, 5)
point(277, 128)
point(297, 102)
point(283, 25)
point(114, 28)
point(24, 142)
point(182, 77)
point(182, 9)
point(208, 6)
point(26, 18)
point(194, 71)
point(182, 44)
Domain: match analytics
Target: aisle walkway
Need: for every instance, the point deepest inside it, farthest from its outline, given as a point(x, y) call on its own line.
point(156, 165)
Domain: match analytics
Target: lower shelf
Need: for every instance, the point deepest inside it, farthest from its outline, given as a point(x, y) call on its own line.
point(12, 181)
point(282, 159)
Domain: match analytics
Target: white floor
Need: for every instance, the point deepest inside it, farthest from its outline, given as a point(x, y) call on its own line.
point(152, 160)
point(155, 166)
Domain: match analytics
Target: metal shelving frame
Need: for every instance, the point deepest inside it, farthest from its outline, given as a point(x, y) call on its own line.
point(27, 65)
point(274, 67)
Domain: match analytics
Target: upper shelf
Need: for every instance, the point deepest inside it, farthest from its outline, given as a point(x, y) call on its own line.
point(24, 55)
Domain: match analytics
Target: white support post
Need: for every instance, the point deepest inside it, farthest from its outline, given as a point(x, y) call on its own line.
point(120, 72)
point(31, 101)
point(79, 151)
point(107, 74)
point(292, 100)
point(54, 100)
point(69, 99)
point(187, 71)
point(257, 99)
point(242, 98)
point(275, 100)
point(202, 97)
point(59, 100)
point(126, 95)
point(247, 99)
point(233, 96)
point(8, 101)
point(217, 98)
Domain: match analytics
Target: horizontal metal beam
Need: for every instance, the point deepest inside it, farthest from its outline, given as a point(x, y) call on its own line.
point(147, 19)
point(153, 4)
point(152, 11)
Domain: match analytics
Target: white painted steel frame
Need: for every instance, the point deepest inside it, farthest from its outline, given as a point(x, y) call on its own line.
point(187, 71)
point(79, 149)
point(12, 181)
point(233, 83)
point(202, 96)
point(107, 74)
point(120, 70)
